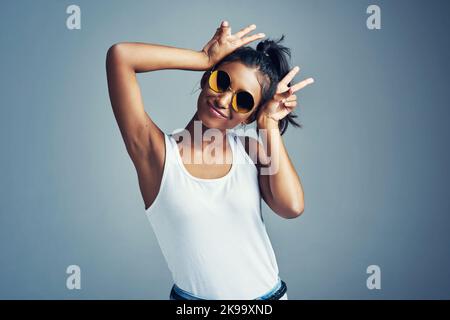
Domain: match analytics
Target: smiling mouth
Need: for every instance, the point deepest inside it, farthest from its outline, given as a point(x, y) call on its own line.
point(217, 112)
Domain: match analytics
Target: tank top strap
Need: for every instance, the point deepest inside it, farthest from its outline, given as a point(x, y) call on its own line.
point(243, 156)
point(240, 155)
point(232, 140)
point(171, 148)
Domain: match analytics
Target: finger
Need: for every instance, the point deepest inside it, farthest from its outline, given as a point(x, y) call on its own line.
point(302, 84)
point(223, 25)
point(217, 34)
point(284, 95)
point(291, 104)
point(246, 30)
point(292, 97)
point(254, 37)
point(220, 29)
point(291, 74)
point(225, 28)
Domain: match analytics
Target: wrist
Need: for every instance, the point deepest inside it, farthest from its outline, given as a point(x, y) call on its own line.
point(267, 122)
point(206, 61)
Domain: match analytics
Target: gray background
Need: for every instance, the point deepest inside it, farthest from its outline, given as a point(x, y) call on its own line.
point(373, 155)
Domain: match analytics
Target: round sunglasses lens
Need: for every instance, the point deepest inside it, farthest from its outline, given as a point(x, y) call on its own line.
point(244, 101)
point(219, 81)
point(223, 80)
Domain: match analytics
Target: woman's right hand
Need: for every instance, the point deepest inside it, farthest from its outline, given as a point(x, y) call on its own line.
point(223, 42)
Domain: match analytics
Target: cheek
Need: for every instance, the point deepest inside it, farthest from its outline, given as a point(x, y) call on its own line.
point(202, 101)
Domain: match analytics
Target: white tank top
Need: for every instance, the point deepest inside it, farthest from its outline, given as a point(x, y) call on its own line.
point(211, 231)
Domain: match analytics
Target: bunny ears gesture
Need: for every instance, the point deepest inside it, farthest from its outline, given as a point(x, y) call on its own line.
point(223, 42)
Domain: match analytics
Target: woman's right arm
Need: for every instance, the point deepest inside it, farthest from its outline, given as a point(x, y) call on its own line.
point(123, 61)
point(143, 139)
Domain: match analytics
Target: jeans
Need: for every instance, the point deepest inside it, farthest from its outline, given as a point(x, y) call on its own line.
point(277, 293)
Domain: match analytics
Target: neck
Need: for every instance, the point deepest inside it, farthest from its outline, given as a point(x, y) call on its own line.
point(200, 139)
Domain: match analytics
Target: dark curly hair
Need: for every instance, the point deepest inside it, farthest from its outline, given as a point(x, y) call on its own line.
point(271, 60)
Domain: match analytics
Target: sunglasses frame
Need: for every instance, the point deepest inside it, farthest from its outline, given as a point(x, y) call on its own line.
point(235, 108)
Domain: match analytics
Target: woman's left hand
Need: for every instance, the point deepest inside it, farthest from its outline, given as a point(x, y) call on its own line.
point(284, 100)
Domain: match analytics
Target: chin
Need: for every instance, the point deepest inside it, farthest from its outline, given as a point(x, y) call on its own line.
point(209, 121)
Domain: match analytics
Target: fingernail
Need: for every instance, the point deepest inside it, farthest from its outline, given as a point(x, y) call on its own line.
point(311, 80)
point(263, 34)
point(225, 23)
point(253, 26)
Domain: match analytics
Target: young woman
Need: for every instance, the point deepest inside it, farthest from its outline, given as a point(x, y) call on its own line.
point(206, 213)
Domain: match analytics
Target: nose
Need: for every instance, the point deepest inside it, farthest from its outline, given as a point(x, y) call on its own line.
point(224, 100)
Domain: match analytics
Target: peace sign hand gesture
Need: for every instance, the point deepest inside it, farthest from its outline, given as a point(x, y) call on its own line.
point(284, 100)
point(223, 42)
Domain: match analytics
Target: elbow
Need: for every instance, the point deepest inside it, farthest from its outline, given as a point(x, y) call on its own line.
point(114, 55)
point(294, 211)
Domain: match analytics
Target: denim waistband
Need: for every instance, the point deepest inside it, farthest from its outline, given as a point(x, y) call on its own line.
point(274, 294)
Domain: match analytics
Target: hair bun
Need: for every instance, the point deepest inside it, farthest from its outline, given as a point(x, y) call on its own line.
point(265, 46)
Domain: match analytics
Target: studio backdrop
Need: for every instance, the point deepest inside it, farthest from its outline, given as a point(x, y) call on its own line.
point(372, 154)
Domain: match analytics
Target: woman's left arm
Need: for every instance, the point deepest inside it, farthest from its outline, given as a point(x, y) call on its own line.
point(279, 182)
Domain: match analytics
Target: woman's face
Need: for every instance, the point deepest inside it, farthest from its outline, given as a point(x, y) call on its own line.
point(242, 78)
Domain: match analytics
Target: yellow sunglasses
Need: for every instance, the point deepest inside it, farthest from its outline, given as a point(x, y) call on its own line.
point(219, 81)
